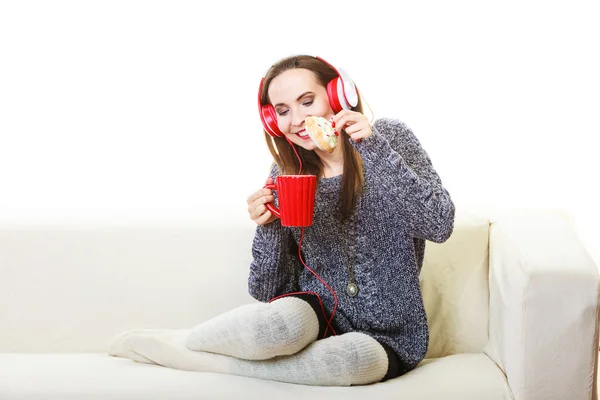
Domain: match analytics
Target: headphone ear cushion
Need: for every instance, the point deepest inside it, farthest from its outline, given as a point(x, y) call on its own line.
point(347, 89)
point(342, 95)
point(269, 119)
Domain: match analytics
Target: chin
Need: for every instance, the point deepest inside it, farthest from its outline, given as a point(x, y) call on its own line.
point(309, 147)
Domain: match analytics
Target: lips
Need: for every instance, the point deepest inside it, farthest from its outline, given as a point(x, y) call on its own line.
point(302, 134)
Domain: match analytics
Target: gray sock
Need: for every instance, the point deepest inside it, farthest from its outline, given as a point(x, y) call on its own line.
point(118, 348)
point(258, 331)
point(348, 359)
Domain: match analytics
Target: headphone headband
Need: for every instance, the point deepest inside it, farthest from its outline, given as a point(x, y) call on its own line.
point(341, 92)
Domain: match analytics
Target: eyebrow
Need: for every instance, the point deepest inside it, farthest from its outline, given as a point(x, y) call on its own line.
point(299, 97)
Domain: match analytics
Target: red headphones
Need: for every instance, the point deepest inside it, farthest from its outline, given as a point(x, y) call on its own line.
point(341, 92)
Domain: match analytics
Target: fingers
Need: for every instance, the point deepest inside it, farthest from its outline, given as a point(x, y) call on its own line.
point(262, 215)
point(260, 201)
point(346, 118)
point(355, 124)
point(257, 209)
point(256, 205)
point(357, 127)
point(257, 212)
point(341, 119)
point(258, 194)
point(265, 218)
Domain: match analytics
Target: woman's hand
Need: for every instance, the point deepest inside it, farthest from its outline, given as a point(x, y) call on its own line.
point(256, 205)
point(355, 124)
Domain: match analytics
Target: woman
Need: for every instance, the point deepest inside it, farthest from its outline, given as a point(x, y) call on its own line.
point(378, 200)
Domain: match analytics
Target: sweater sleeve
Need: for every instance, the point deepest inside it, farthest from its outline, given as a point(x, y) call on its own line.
point(274, 267)
point(405, 171)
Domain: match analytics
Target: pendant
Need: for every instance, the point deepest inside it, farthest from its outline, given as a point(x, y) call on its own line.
point(352, 289)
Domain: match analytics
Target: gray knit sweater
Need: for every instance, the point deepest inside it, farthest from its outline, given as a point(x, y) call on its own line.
point(403, 204)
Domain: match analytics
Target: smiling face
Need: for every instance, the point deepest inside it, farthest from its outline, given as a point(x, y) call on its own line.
point(295, 95)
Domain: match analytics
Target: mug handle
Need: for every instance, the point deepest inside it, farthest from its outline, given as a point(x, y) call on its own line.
point(271, 206)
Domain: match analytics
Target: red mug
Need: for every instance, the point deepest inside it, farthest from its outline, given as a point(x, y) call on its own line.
point(296, 194)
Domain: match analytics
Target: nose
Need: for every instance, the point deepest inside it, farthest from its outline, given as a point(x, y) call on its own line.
point(298, 118)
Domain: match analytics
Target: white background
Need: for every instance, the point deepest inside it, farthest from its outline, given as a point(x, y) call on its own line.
point(134, 110)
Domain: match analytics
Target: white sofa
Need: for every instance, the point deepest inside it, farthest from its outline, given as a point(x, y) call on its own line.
point(512, 304)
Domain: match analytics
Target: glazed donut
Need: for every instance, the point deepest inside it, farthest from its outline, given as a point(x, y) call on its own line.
point(322, 133)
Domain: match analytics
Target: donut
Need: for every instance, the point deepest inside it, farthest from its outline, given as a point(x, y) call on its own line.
point(322, 133)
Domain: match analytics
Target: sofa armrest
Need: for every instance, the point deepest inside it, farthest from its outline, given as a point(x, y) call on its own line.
point(544, 294)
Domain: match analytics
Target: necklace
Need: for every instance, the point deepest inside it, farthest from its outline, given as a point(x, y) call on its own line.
point(352, 287)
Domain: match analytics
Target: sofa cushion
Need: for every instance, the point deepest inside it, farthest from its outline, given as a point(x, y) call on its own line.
point(455, 284)
point(84, 284)
point(91, 376)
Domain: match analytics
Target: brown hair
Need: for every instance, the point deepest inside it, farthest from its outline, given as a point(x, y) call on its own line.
point(283, 153)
